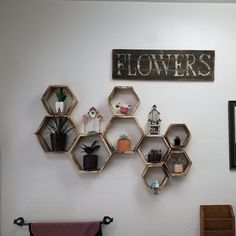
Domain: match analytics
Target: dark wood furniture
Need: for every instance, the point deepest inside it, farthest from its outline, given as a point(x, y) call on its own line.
point(217, 220)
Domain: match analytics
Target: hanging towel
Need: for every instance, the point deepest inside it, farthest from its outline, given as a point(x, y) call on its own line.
point(66, 229)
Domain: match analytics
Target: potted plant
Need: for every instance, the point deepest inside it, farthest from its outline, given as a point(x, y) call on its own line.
point(90, 160)
point(58, 128)
point(177, 141)
point(179, 163)
point(123, 143)
point(61, 97)
point(154, 155)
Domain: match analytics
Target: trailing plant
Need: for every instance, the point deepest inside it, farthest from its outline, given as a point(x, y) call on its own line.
point(59, 125)
point(61, 95)
point(90, 149)
point(123, 137)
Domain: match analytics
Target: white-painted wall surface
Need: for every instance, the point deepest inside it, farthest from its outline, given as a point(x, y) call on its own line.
point(67, 42)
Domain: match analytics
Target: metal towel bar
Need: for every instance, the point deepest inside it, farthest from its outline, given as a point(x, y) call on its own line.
point(21, 222)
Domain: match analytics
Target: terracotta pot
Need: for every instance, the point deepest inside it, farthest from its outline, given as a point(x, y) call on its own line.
point(123, 145)
point(90, 162)
point(178, 168)
point(58, 142)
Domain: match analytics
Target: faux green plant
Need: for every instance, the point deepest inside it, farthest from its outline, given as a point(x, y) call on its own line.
point(59, 125)
point(61, 95)
point(90, 149)
point(178, 160)
point(123, 137)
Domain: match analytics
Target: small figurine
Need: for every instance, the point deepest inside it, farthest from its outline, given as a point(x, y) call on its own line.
point(155, 186)
point(123, 108)
point(92, 112)
point(177, 141)
point(94, 116)
point(154, 121)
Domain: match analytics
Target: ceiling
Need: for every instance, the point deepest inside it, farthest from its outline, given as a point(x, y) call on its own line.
point(169, 1)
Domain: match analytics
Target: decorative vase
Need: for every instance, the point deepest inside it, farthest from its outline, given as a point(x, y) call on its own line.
point(178, 168)
point(58, 142)
point(154, 158)
point(124, 145)
point(90, 162)
point(59, 107)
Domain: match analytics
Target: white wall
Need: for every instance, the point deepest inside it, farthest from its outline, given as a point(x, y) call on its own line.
point(47, 42)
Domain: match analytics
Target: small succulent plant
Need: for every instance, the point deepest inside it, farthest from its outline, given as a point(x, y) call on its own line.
point(179, 160)
point(123, 137)
point(91, 149)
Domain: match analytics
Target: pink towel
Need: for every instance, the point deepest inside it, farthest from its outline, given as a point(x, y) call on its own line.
point(66, 229)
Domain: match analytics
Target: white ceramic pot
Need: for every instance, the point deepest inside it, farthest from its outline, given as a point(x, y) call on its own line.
point(59, 107)
point(178, 168)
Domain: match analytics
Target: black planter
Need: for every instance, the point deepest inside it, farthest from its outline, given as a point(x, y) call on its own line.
point(58, 142)
point(177, 141)
point(154, 158)
point(90, 162)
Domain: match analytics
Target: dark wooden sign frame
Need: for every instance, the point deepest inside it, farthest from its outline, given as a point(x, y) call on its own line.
point(170, 65)
point(232, 138)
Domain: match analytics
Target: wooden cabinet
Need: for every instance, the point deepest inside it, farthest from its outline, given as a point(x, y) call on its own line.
point(217, 220)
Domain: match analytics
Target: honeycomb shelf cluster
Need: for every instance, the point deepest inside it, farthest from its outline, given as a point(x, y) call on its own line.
point(120, 123)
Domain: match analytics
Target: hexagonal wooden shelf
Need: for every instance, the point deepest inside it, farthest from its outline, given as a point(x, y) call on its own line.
point(123, 95)
point(49, 99)
point(127, 125)
point(76, 153)
point(178, 130)
point(155, 172)
point(150, 142)
point(180, 154)
point(43, 134)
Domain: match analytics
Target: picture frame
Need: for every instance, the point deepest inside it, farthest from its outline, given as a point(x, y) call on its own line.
point(232, 134)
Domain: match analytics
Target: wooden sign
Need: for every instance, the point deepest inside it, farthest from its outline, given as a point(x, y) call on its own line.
point(171, 65)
